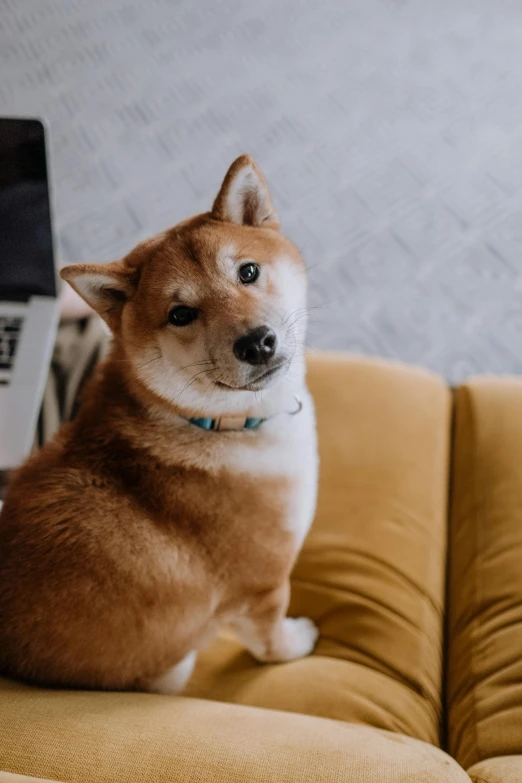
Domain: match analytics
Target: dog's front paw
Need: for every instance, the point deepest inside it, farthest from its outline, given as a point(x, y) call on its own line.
point(299, 636)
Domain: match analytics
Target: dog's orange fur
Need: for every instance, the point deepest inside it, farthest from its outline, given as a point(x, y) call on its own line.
point(129, 538)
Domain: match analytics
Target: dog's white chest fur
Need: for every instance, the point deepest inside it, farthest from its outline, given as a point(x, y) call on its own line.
point(286, 447)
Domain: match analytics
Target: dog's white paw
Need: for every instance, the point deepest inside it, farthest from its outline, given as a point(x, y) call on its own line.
point(299, 638)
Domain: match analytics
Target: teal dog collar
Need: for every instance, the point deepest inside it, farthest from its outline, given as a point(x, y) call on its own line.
point(237, 423)
point(224, 423)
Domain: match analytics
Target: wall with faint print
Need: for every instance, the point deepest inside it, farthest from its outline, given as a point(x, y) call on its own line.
point(391, 134)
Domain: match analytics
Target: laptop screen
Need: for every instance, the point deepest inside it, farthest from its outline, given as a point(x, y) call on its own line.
point(26, 247)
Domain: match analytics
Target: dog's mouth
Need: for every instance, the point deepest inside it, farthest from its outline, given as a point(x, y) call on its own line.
point(254, 385)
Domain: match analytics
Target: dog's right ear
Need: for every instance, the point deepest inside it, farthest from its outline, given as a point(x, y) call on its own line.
point(244, 197)
point(105, 287)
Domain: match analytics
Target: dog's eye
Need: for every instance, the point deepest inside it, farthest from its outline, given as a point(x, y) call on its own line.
point(248, 273)
point(182, 315)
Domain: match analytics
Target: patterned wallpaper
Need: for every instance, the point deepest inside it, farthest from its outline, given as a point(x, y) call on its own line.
point(390, 132)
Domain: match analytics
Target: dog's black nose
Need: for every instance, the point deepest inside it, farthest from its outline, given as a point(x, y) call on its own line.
point(256, 347)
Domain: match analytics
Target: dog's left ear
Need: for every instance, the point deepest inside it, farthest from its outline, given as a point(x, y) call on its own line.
point(244, 197)
point(105, 287)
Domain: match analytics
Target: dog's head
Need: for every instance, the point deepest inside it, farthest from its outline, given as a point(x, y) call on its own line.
point(211, 312)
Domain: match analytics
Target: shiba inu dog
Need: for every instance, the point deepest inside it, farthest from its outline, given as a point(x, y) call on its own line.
point(179, 497)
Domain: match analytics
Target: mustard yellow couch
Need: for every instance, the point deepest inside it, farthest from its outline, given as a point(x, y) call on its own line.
point(413, 572)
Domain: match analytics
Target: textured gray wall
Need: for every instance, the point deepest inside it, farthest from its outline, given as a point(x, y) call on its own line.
point(390, 131)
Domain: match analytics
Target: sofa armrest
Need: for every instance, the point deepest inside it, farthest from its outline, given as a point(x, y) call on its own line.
point(97, 737)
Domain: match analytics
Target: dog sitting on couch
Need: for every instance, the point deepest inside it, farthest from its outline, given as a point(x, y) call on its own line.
point(178, 498)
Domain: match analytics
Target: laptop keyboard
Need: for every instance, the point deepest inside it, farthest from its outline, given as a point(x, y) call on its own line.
point(10, 330)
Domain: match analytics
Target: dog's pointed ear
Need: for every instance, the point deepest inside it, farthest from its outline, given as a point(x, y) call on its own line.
point(244, 197)
point(105, 287)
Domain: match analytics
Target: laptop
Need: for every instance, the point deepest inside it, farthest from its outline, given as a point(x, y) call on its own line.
point(28, 285)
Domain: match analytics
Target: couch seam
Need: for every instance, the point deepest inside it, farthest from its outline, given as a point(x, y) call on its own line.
point(476, 524)
point(446, 628)
point(444, 451)
point(459, 481)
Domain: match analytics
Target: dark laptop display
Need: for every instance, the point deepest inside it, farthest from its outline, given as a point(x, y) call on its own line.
point(26, 248)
